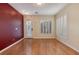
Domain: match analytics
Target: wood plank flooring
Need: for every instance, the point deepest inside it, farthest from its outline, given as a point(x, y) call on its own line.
point(46, 47)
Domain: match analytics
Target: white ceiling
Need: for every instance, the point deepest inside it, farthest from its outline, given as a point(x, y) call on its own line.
point(44, 9)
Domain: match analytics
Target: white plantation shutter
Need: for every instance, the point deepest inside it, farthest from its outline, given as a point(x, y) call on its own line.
point(45, 26)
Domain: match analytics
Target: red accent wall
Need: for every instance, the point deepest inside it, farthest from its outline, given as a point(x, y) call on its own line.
point(11, 25)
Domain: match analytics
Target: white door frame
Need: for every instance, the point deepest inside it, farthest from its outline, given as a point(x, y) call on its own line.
point(28, 29)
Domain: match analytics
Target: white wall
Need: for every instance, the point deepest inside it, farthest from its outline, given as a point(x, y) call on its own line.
point(72, 11)
point(36, 26)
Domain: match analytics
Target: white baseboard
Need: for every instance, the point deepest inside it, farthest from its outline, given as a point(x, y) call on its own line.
point(11, 45)
point(44, 37)
point(68, 45)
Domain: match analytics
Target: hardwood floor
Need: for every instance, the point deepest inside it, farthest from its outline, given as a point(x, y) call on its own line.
point(39, 47)
point(47, 47)
point(16, 49)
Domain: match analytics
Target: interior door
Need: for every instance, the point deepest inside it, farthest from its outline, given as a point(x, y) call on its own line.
point(29, 29)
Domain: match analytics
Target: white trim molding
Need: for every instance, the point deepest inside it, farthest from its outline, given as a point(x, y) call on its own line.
point(11, 45)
